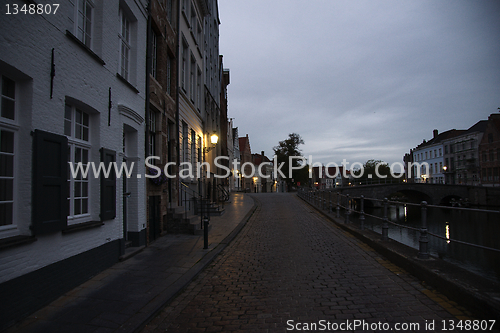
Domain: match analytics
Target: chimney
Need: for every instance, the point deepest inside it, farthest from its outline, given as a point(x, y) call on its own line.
point(262, 153)
point(435, 133)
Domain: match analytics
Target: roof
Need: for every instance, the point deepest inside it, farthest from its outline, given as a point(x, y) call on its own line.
point(440, 137)
point(480, 126)
point(244, 142)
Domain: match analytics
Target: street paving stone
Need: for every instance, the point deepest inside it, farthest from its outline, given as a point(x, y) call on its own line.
point(290, 266)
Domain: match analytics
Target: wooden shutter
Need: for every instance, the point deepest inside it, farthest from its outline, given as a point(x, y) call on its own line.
point(108, 186)
point(50, 183)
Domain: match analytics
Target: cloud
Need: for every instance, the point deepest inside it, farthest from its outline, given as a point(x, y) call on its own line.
point(359, 80)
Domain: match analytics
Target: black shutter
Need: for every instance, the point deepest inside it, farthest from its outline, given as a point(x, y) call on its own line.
point(50, 183)
point(108, 186)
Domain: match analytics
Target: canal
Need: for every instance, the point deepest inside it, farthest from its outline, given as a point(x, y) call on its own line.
point(471, 227)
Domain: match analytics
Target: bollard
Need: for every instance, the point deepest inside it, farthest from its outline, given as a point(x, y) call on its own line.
point(338, 205)
point(362, 214)
point(348, 209)
point(205, 233)
point(385, 225)
point(423, 251)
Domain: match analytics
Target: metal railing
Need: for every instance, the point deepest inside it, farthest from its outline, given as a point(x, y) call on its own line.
point(325, 200)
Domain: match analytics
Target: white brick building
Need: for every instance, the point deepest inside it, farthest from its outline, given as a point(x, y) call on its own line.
point(73, 89)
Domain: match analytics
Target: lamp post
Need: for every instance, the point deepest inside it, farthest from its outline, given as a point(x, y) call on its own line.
point(214, 138)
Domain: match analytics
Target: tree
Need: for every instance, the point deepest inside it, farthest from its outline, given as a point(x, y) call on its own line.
point(372, 167)
point(286, 149)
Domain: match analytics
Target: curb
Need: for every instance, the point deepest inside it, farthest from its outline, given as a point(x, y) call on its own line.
point(475, 293)
point(167, 296)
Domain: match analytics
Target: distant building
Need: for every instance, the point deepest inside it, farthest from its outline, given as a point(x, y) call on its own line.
point(461, 156)
point(331, 177)
point(428, 158)
point(247, 167)
point(263, 177)
point(489, 152)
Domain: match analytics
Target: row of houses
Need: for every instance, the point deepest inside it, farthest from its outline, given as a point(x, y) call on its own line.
point(138, 83)
point(466, 157)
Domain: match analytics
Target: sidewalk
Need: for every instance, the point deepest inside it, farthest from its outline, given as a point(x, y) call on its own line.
point(124, 297)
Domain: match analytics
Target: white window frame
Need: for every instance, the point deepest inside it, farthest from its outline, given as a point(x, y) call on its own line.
point(11, 125)
point(125, 45)
point(80, 29)
point(74, 143)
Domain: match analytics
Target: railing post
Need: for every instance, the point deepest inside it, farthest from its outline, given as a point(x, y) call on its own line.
point(385, 225)
point(362, 213)
point(348, 209)
point(338, 205)
point(423, 252)
point(330, 199)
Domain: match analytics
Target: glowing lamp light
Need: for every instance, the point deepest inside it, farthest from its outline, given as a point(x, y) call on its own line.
point(214, 138)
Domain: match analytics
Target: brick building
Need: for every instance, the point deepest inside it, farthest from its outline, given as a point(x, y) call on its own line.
point(72, 90)
point(246, 163)
point(489, 152)
point(161, 134)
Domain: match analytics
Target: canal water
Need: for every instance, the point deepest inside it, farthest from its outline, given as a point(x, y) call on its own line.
point(471, 227)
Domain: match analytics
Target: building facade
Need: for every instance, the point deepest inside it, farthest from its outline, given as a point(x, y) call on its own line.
point(461, 156)
point(489, 152)
point(73, 95)
point(161, 135)
point(191, 97)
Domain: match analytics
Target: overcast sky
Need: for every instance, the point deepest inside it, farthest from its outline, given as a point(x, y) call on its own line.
point(359, 80)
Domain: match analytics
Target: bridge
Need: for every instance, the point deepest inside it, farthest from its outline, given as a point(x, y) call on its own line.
point(434, 194)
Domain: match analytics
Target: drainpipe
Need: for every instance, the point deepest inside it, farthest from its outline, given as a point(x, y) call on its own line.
point(177, 116)
point(149, 48)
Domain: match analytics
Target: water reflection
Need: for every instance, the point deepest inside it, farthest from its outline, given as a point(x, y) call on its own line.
point(472, 227)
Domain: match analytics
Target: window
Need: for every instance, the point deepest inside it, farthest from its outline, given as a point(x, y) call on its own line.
point(152, 134)
point(84, 21)
point(192, 78)
point(124, 46)
point(440, 152)
point(193, 147)
point(6, 177)
point(7, 150)
point(8, 90)
point(154, 55)
point(185, 153)
point(198, 89)
point(184, 64)
point(169, 10)
point(446, 149)
point(492, 158)
point(169, 74)
point(77, 130)
point(490, 137)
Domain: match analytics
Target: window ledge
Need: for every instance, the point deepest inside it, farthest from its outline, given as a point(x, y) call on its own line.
point(15, 241)
point(128, 84)
point(85, 47)
point(82, 226)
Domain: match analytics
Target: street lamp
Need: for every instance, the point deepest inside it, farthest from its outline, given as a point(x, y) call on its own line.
point(214, 138)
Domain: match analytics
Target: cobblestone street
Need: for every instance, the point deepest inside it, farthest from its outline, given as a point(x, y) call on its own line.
point(289, 268)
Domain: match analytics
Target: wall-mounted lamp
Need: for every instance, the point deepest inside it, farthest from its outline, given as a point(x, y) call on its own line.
point(214, 138)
